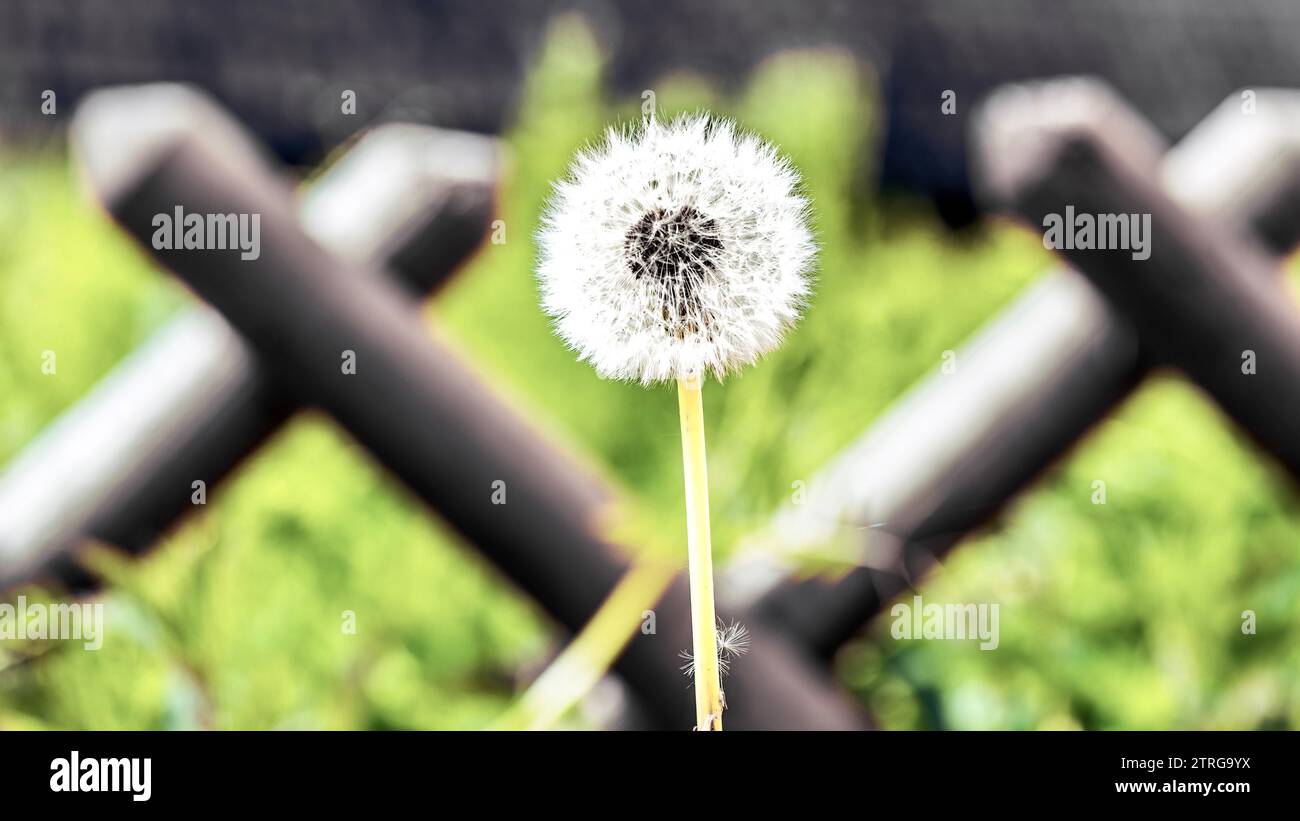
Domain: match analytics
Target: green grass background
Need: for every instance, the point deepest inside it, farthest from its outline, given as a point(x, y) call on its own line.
point(1125, 615)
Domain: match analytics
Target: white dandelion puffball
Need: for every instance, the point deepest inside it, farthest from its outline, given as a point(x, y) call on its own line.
point(674, 249)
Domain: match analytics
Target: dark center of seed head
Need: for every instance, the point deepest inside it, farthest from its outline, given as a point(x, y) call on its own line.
point(677, 250)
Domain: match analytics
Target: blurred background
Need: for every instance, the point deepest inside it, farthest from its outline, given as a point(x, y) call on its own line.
point(1123, 615)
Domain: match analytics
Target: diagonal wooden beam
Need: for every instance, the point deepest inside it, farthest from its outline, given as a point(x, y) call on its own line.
point(193, 401)
point(951, 453)
point(1203, 296)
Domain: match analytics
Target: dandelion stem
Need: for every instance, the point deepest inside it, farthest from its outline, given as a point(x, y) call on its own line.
point(708, 685)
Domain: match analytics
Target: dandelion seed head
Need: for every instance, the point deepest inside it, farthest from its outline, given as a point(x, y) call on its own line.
point(673, 249)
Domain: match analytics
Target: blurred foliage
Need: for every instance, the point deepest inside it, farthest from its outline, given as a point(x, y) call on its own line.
point(1125, 615)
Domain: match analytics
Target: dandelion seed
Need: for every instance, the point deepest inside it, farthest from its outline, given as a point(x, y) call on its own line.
point(688, 664)
point(733, 642)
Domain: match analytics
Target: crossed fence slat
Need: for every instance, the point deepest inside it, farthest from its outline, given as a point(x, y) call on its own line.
point(951, 454)
point(1203, 299)
point(410, 402)
point(193, 401)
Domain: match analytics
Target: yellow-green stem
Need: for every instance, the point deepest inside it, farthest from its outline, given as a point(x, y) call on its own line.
point(592, 652)
point(708, 685)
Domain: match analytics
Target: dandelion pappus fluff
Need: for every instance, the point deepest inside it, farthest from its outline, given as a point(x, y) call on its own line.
point(733, 642)
point(674, 249)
